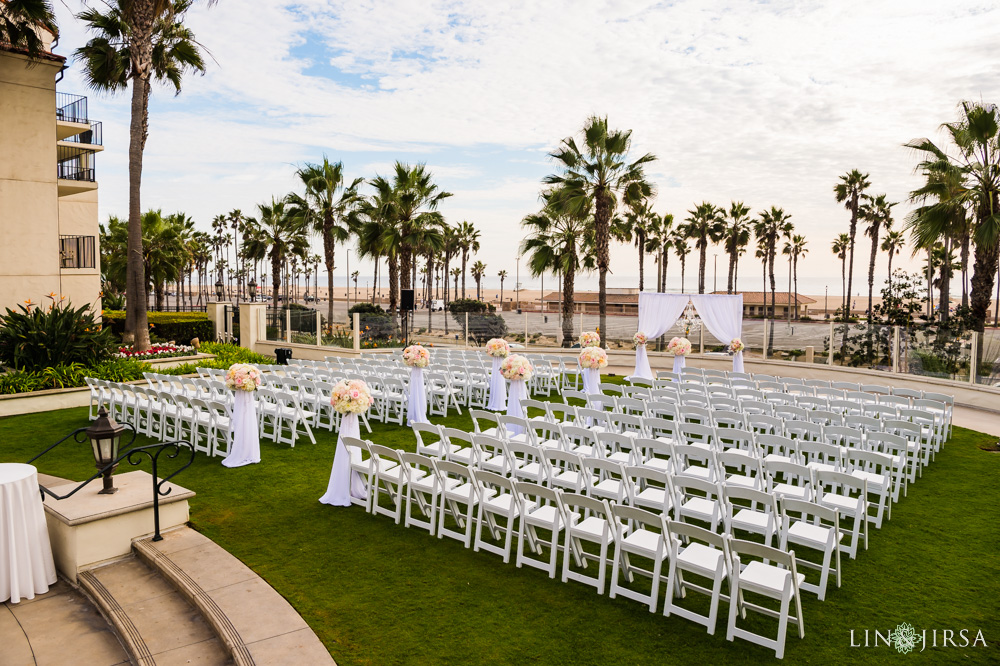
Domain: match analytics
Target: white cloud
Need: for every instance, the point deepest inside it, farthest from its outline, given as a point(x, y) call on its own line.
point(764, 102)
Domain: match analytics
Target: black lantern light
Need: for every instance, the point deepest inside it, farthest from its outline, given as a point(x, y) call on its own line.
point(253, 289)
point(219, 286)
point(105, 436)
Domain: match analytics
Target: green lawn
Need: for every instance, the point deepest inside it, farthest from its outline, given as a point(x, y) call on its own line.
point(378, 593)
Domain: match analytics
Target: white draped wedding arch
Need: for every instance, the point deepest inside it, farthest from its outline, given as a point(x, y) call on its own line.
point(722, 315)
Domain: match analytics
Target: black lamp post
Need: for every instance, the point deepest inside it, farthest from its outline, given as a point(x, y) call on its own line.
point(219, 286)
point(253, 289)
point(105, 436)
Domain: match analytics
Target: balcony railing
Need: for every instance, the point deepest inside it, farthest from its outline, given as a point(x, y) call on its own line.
point(73, 171)
point(94, 136)
point(71, 108)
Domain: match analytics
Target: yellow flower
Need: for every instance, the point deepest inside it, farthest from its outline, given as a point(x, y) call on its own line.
point(52, 295)
point(28, 303)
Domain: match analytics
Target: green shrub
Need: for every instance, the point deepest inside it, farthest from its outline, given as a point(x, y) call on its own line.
point(366, 308)
point(17, 381)
point(35, 338)
point(178, 326)
point(225, 355)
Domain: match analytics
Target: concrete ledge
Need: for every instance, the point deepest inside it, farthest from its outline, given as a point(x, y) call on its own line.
point(88, 529)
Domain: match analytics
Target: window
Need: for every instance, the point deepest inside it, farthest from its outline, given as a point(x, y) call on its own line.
point(76, 251)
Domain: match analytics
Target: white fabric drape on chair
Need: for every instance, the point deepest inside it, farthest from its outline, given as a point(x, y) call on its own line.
point(657, 313)
point(344, 481)
point(416, 401)
point(591, 381)
point(245, 445)
point(518, 392)
point(723, 316)
point(498, 388)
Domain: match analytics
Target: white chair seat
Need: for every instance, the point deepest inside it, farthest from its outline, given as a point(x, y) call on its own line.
point(542, 516)
point(461, 493)
point(760, 576)
point(501, 503)
point(875, 481)
point(698, 472)
point(643, 542)
point(700, 507)
point(592, 527)
point(840, 502)
point(700, 558)
point(750, 520)
point(775, 457)
point(743, 481)
point(788, 490)
point(610, 487)
point(809, 534)
point(652, 495)
point(823, 467)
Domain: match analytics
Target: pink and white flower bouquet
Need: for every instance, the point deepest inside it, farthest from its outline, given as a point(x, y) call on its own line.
point(516, 368)
point(416, 356)
point(351, 397)
point(638, 340)
point(498, 348)
point(736, 346)
point(243, 377)
point(590, 339)
point(593, 358)
point(679, 346)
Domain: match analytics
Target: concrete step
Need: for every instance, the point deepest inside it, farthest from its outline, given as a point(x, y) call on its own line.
point(255, 623)
point(154, 622)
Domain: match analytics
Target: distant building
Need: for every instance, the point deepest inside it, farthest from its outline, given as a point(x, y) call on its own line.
point(758, 303)
point(48, 185)
point(620, 301)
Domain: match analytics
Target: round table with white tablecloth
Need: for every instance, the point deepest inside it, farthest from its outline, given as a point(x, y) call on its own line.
point(26, 566)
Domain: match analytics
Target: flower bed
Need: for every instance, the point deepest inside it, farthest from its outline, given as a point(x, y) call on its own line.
point(166, 350)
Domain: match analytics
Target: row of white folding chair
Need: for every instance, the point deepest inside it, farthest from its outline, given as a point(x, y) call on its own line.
point(281, 417)
point(478, 499)
point(917, 448)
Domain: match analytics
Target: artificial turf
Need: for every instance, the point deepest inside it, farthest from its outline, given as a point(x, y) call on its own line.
point(378, 593)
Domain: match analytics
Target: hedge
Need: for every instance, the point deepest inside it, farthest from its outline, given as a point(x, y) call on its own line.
point(180, 327)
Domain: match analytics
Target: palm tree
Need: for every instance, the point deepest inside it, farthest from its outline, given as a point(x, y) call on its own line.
point(877, 212)
point(19, 20)
point(478, 271)
point(976, 136)
point(455, 273)
point(681, 249)
point(555, 242)
point(503, 276)
point(704, 224)
point(840, 246)
point(848, 192)
point(892, 244)
point(599, 175)
point(772, 225)
point(163, 252)
point(380, 235)
point(736, 237)
point(138, 41)
point(664, 246)
point(467, 237)
point(795, 248)
point(328, 206)
point(640, 223)
point(284, 235)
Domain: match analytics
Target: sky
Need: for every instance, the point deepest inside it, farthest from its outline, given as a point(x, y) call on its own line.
point(762, 102)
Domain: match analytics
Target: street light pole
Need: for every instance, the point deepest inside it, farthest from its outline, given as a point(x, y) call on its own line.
point(348, 279)
point(517, 278)
point(715, 272)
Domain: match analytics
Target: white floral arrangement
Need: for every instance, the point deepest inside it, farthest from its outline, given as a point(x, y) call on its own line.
point(679, 346)
point(590, 339)
point(416, 356)
point(736, 346)
point(516, 368)
point(638, 340)
point(243, 377)
point(498, 348)
point(593, 358)
point(351, 397)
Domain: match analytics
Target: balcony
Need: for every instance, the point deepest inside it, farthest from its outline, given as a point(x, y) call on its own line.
point(92, 137)
point(71, 115)
point(75, 168)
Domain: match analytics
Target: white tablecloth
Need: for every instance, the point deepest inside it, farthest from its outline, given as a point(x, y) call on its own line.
point(498, 388)
point(416, 401)
point(344, 481)
point(26, 566)
point(245, 447)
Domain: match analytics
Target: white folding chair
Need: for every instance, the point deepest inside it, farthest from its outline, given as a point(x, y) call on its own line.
point(588, 520)
point(498, 510)
point(541, 509)
point(643, 534)
point(459, 499)
point(767, 572)
point(390, 476)
point(697, 552)
point(816, 527)
point(849, 496)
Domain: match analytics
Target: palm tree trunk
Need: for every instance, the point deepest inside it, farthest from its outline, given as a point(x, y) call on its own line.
point(795, 272)
point(465, 260)
point(136, 300)
point(275, 276)
point(703, 249)
point(393, 283)
point(850, 264)
point(641, 237)
point(871, 274)
point(944, 298)
point(683, 263)
point(568, 278)
point(602, 220)
point(445, 269)
point(405, 261)
point(984, 270)
point(430, 282)
point(843, 284)
point(329, 256)
point(965, 268)
point(788, 298)
point(732, 273)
